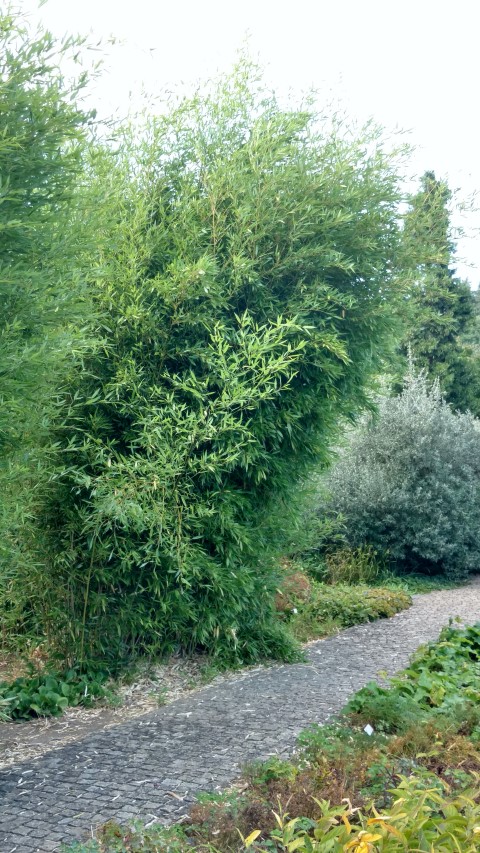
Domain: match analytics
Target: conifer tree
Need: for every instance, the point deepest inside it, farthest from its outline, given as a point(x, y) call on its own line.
point(440, 304)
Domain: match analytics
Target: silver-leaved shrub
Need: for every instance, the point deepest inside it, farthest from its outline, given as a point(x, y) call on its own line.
point(409, 482)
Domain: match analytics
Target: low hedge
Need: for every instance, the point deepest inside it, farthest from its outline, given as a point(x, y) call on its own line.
point(321, 609)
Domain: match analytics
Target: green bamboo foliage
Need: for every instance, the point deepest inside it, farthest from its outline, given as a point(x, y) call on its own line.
point(243, 274)
point(42, 299)
point(42, 132)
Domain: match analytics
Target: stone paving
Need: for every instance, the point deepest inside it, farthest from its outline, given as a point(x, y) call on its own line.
point(153, 766)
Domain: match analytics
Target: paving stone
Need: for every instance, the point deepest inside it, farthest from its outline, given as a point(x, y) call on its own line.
point(200, 742)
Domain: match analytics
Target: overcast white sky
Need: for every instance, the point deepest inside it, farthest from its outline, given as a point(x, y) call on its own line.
point(408, 63)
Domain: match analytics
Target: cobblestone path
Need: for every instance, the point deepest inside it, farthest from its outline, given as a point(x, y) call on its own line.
point(152, 766)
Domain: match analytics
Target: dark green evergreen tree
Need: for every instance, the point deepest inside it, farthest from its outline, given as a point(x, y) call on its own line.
point(440, 305)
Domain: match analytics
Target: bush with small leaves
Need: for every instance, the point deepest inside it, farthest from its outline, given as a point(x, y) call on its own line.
point(408, 484)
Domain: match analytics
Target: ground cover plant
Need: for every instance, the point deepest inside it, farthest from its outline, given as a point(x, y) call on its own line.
point(48, 694)
point(411, 785)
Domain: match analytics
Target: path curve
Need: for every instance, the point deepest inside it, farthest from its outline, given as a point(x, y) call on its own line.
point(152, 767)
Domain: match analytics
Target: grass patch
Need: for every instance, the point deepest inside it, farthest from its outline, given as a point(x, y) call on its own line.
point(136, 838)
point(414, 584)
point(364, 566)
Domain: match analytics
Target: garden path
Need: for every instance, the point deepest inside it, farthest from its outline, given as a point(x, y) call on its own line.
point(153, 766)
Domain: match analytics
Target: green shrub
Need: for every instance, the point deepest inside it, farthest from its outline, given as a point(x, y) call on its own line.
point(384, 709)
point(244, 276)
point(421, 817)
point(409, 483)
